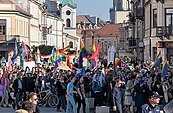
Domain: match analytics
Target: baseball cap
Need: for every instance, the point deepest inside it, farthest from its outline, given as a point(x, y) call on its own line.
point(141, 81)
point(154, 94)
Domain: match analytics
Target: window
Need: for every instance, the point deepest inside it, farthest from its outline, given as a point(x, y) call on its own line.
point(79, 26)
point(71, 44)
point(68, 12)
point(154, 53)
point(2, 27)
point(169, 19)
point(68, 23)
point(154, 18)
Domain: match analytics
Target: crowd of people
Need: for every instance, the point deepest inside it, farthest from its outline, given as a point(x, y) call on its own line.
point(133, 90)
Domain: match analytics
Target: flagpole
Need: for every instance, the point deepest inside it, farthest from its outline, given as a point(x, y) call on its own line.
point(114, 64)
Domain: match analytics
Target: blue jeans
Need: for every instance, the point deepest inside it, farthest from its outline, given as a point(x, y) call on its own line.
point(71, 102)
point(62, 101)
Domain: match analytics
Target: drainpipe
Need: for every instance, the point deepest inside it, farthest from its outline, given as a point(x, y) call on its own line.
point(150, 31)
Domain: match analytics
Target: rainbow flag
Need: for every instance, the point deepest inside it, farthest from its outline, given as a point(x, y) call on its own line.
point(66, 49)
point(83, 53)
point(94, 62)
point(158, 60)
point(15, 53)
point(117, 61)
point(57, 57)
point(10, 54)
point(165, 68)
point(115, 66)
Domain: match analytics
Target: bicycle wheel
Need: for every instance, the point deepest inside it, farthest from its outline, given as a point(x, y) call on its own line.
point(52, 101)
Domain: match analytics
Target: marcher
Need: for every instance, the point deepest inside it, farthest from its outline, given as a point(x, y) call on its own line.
point(81, 95)
point(32, 97)
point(117, 96)
point(152, 106)
point(61, 89)
point(70, 96)
point(6, 87)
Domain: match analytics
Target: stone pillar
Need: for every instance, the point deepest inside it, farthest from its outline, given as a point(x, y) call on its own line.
point(102, 109)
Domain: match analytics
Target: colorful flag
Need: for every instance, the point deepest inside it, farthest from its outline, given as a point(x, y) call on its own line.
point(66, 49)
point(93, 48)
point(38, 55)
point(15, 53)
point(9, 63)
point(83, 53)
point(118, 61)
point(96, 53)
point(115, 66)
point(165, 68)
point(52, 55)
point(158, 60)
point(22, 55)
point(25, 48)
point(10, 54)
point(58, 58)
point(69, 64)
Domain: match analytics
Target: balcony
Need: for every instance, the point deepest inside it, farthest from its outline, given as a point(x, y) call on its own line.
point(139, 13)
point(164, 31)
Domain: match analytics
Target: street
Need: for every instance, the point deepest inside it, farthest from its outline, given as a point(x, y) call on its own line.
point(43, 110)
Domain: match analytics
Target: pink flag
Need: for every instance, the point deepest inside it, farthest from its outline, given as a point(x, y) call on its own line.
point(26, 50)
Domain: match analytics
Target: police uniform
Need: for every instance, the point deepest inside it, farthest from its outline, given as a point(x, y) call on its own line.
point(148, 108)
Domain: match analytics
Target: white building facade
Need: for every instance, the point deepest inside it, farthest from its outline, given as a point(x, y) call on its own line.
point(158, 29)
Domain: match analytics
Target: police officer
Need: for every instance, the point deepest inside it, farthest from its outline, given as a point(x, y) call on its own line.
point(152, 106)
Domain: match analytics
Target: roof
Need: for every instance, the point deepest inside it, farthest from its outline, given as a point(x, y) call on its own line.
point(17, 6)
point(109, 30)
point(82, 18)
point(79, 31)
point(68, 2)
point(6, 1)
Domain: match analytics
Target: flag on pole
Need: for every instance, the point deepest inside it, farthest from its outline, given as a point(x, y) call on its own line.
point(38, 55)
point(58, 58)
point(25, 48)
point(164, 68)
point(83, 53)
point(96, 53)
point(115, 66)
point(15, 53)
point(52, 55)
point(9, 63)
point(158, 60)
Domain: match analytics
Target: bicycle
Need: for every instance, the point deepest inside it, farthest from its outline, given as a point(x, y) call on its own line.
point(48, 98)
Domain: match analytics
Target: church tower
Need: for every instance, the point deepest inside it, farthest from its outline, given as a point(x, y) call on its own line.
point(119, 11)
point(68, 14)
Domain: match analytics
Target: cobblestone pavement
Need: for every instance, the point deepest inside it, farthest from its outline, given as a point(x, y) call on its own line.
point(43, 110)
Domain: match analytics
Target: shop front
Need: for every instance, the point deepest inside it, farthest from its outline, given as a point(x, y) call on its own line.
point(168, 46)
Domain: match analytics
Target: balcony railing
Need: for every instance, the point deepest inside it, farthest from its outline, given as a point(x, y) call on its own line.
point(165, 31)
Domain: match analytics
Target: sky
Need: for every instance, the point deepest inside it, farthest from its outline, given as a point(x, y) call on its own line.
point(98, 8)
